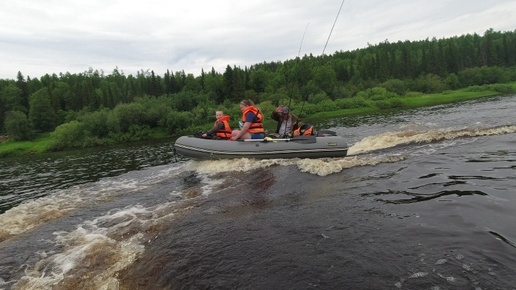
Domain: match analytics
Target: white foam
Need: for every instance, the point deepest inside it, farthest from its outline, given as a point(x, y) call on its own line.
point(33, 212)
point(392, 139)
point(323, 167)
point(319, 166)
point(95, 251)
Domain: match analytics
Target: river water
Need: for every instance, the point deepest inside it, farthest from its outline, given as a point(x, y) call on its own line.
point(426, 199)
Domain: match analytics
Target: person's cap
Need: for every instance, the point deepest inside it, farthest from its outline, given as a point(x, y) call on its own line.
point(286, 110)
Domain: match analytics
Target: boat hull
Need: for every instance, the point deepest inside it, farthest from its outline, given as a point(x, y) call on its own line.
point(300, 147)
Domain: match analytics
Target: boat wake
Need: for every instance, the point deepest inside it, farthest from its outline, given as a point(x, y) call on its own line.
point(319, 166)
point(393, 139)
point(90, 254)
point(356, 154)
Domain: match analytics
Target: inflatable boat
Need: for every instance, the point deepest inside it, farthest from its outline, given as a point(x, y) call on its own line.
point(325, 144)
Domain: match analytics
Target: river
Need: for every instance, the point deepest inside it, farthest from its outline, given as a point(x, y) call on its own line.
point(425, 199)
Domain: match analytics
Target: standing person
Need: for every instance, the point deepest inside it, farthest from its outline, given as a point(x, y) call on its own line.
point(220, 129)
point(287, 122)
point(253, 122)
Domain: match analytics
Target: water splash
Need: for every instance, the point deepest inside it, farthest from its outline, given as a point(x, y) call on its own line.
point(393, 139)
point(93, 253)
point(32, 213)
point(320, 166)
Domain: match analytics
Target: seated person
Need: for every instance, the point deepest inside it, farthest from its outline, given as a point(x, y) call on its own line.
point(253, 122)
point(220, 129)
point(288, 123)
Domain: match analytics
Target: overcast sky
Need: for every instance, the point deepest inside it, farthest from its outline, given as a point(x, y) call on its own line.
point(58, 36)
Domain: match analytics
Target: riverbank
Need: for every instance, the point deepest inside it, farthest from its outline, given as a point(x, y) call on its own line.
point(417, 100)
point(410, 101)
point(10, 148)
point(42, 143)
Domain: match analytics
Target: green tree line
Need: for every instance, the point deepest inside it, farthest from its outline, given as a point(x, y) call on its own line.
point(93, 108)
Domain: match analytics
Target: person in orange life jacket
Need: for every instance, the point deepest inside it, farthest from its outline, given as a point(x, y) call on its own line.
point(220, 129)
point(252, 118)
point(306, 130)
point(288, 123)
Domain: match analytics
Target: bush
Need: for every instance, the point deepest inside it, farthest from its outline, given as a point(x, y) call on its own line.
point(429, 84)
point(68, 135)
point(17, 126)
point(484, 75)
point(396, 86)
point(501, 88)
point(139, 132)
point(96, 123)
point(129, 114)
point(178, 121)
point(317, 98)
point(156, 110)
point(344, 103)
point(390, 103)
point(353, 103)
point(376, 94)
point(452, 81)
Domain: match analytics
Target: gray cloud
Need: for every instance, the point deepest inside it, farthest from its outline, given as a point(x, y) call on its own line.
point(39, 37)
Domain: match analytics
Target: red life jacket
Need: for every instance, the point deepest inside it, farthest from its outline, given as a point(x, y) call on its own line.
point(256, 125)
point(225, 132)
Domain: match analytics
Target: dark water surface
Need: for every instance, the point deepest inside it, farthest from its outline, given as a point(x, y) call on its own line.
point(426, 200)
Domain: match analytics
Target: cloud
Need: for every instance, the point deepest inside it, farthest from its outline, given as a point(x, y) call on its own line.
point(39, 37)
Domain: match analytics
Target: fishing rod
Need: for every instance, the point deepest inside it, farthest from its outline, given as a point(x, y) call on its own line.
point(324, 49)
point(333, 26)
point(298, 53)
point(327, 40)
point(295, 77)
point(302, 39)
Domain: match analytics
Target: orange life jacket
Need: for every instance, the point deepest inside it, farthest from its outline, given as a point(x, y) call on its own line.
point(225, 132)
point(305, 130)
point(256, 125)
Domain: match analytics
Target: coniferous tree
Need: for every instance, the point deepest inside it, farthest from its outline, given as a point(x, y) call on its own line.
point(11, 97)
point(41, 114)
point(23, 86)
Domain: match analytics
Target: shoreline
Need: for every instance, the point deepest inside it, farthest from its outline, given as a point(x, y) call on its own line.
point(38, 146)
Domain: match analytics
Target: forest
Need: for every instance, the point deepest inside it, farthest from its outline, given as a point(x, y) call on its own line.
point(95, 108)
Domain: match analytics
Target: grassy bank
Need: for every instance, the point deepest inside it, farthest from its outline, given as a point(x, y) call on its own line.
point(42, 143)
point(414, 100)
point(11, 148)
point(417, 100)
point(445, 98)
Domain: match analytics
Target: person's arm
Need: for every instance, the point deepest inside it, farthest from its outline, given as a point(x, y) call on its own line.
point(215, 128)
point(248, 121)
point(246, 127)
point(275, 116)
point(296, 122)
point(242, 132)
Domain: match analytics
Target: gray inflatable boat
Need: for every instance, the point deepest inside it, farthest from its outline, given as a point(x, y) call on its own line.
point(325, 144)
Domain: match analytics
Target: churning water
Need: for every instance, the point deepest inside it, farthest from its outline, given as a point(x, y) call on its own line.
point(426, 199)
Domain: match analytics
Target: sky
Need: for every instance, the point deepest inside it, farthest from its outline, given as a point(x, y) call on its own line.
point(39, 37)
